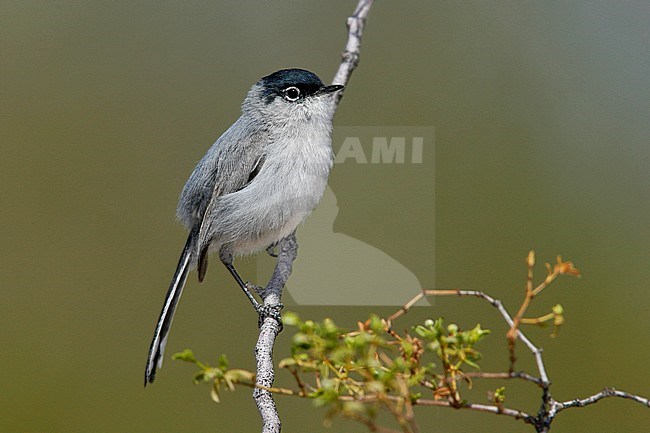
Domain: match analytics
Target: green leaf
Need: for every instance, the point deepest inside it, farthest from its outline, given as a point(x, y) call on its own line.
point(424, 332)
point(354, 408)
point(214, 393)
point(329, 329)
point(291, 319)
point(287, 362)
point(376, 324)
point(470, 362)
point(498, 396)
point(238, 375)
point(301, 341)
point(477, 334)
point(207, 375)
point(198, 377)
point(186, 355)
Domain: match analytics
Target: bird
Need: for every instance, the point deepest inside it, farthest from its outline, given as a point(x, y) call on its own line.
point(255, 185)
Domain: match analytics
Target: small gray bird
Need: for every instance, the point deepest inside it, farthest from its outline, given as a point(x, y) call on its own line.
point(255, 185)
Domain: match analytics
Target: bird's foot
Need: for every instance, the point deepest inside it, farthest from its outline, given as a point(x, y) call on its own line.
point(272, 311)
point(255, 288)
point(271, 249)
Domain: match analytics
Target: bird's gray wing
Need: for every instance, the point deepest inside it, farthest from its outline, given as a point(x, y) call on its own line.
point(239, 159)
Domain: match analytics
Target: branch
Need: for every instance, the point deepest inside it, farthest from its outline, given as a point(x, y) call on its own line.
point(354, 380)
point(607, 392)
point(505, 375)
point(537, 352)
point(498, 410)
point(351, 55)
point(272, 293)
point(549, 407)
point(269, 329)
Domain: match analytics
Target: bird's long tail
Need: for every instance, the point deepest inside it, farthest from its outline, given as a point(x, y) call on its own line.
point(157, 349)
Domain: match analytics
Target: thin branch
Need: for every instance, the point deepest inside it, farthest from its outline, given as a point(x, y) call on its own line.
point(299, 381)
point(405, 308)
point(537, 352)
point(497, 410)
point(372, 426)
point(607, 392)
point(274, 390)
point(505, 375)
point(351, 55)
point(514, 327)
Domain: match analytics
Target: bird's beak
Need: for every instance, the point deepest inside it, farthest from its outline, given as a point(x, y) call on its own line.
point(330, 89)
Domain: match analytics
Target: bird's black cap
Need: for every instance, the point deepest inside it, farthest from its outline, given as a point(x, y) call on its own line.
point(304, 80)
point(307, 82)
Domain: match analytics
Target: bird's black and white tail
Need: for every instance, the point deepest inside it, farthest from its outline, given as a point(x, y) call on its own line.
point(157, 349)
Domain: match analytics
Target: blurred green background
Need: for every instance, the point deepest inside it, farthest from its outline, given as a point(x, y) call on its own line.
point(541, 116)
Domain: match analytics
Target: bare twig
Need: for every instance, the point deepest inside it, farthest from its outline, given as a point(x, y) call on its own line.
point(299, 382)
point(530, 294)
point(350, 61)
point(502, 375)
point(498, 410)
point(560, 268)
point(607, 392)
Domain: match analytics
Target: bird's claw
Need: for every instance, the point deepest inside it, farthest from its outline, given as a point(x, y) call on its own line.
point(272, 311)
point(271, 250)
point(255, 288)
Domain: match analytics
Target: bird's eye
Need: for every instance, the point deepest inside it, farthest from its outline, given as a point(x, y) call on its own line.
point(292, 94)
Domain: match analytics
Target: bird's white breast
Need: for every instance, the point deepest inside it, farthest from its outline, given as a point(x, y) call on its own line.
point(288, 187)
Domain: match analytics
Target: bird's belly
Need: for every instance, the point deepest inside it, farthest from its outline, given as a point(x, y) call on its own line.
point(267, 210)
point(259, 241)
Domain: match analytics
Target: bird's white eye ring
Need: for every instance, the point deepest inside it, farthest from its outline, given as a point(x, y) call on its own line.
point(292, 93)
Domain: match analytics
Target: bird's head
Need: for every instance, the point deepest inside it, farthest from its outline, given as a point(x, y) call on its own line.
point(289, 96)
